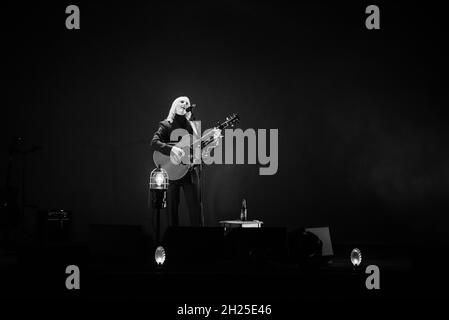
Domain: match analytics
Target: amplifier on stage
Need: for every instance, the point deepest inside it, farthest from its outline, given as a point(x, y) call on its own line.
point(54, 226)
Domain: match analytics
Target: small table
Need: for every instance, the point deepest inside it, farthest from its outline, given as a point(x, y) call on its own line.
point(241, 224)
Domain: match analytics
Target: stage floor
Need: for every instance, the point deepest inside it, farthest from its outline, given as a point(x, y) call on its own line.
point(224, 281)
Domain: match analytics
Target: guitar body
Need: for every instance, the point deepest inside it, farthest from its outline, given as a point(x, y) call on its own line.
point(174, 170)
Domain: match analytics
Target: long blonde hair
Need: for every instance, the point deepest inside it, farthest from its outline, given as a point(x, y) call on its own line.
point(172, 112)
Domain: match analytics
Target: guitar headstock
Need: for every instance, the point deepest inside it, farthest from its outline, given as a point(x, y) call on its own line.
point(230, 121)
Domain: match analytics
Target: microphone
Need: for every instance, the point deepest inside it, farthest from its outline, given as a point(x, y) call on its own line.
point(191, 107)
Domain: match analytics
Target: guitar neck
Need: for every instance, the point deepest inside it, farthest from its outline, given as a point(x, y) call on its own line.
point(207, 139)
point(210, 139)
point(205, 143)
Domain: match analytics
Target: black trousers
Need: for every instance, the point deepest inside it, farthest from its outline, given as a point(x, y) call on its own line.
point(191, 185)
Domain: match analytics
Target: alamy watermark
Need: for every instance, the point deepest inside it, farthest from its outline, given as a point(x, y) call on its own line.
point(73, 280)
point(252, 146)
point(73, 20)
point(372, 22)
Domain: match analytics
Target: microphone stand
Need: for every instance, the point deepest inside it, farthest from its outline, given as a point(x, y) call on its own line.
point(201, 194)
point(200, 177)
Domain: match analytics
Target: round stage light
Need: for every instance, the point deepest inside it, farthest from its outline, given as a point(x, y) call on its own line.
point(159, 255)
point(356, 257)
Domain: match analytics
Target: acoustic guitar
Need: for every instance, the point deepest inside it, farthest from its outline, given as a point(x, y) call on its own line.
point(192, 150)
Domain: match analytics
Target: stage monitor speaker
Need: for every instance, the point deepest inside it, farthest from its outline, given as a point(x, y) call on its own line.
point(193, 246)
point(257, 244)
point(323, 234)
point(310, 245)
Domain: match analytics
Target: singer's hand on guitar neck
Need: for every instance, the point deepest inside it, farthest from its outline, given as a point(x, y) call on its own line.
point(216, 136)
point(216, 133)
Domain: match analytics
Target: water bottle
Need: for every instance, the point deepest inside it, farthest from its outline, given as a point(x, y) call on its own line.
point(243, 211)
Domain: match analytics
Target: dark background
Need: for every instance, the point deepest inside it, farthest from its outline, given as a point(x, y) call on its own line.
point(361, 114)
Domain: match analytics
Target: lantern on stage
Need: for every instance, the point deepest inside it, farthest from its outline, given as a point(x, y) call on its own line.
point(158, 188)
point(158, 195)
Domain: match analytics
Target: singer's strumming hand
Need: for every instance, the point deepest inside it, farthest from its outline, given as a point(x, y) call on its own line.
point(176, 155)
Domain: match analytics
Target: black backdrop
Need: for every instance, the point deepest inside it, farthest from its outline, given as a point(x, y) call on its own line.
point(361, 118)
